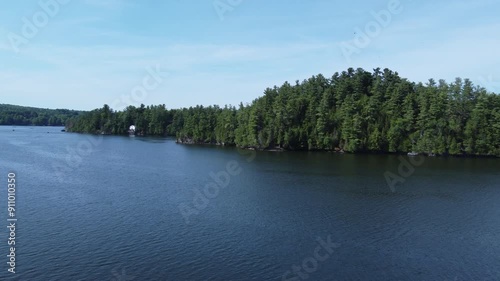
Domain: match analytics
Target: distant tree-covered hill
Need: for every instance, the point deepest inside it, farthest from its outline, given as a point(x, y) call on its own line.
point(353, 111)
point(22, 115)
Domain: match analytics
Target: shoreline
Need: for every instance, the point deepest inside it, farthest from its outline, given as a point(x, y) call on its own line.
point(276, 149)
point(340, 151)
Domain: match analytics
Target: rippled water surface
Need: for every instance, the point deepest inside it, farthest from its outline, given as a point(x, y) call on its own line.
point(117, 208)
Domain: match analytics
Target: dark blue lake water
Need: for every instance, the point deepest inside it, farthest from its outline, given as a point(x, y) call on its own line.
point(123, 208)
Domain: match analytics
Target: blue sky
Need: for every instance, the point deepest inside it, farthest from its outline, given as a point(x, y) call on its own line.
point(92, 52)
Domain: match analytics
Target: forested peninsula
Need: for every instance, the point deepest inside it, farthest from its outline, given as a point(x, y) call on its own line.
point(352, 111)
point(32, 116)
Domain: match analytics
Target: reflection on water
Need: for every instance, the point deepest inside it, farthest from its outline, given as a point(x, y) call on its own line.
point(117, 212)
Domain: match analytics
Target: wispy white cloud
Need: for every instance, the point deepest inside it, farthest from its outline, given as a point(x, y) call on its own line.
point(109, 4)
point(178, 56)
point(97, 71)
point(419, 50)
point(100, 61)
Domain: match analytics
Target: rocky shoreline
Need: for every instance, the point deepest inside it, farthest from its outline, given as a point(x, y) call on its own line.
point(338, 150)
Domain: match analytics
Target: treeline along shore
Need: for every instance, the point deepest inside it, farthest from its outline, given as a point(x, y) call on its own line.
point(32, 116)
point(353, 111)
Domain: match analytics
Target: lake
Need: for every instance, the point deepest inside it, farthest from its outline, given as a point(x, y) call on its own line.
point(138, 208)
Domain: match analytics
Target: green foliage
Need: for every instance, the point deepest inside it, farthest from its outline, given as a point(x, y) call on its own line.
point(150, 120)
point(21, 115)
point(354, 111)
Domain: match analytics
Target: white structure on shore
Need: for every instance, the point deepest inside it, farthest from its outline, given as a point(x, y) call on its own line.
point(131, 130)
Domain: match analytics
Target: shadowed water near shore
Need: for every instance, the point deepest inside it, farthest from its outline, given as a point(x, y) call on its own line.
point(105, 208)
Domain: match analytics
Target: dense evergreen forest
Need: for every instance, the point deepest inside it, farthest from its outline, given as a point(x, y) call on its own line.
point(353, 111)
point(21, 115)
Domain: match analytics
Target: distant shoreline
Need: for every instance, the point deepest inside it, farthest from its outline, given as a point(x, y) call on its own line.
point(335, 151)
point(355, 111)
point(53, 126)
